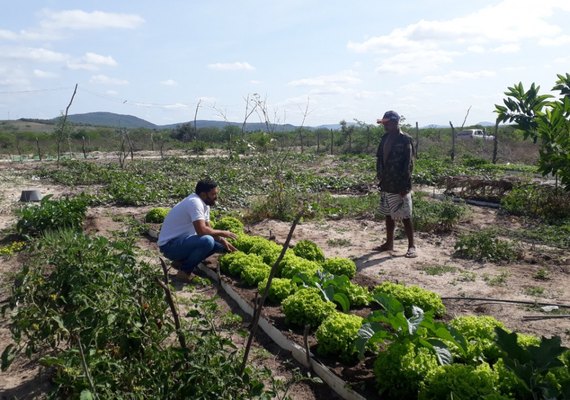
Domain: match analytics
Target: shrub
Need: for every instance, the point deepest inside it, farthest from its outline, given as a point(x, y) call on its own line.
point(52, 215)
point(309, 251)
point(306, 307)
point(436, 216)
point(401, 368)
point(485, 246)
point(412, 296)
point(156, 215)
point(462, 382)
point(336, 335)
point(231, 224)
point(280, 289)
point(340, 266)
point(543, 202)
point(292, 265)
point(12, 248)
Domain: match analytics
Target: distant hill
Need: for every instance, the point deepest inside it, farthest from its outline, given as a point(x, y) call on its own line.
point(112, 120)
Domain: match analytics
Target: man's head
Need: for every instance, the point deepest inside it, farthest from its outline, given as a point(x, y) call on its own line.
point(390, 120)
point(207, 189)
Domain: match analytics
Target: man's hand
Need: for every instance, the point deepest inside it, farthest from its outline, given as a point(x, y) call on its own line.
point(229, 247)
point(227, 234)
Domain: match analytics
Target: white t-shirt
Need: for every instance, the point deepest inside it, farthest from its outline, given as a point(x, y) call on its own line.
point(179, 221)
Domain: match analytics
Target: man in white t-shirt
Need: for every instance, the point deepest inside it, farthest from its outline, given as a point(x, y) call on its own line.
point(186, 236)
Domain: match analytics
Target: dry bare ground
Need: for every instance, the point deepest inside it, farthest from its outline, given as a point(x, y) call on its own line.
point(346, 238)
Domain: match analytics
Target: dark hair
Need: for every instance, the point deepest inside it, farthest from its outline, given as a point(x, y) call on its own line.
point(205, 185)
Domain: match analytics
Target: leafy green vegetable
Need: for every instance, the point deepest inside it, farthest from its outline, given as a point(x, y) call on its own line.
point(156, 215)
point(340, 266)
point(412, 296)
point(280, 289)
point(309, 250)
point(337, 333)
point(231, 224)
point(306, 307)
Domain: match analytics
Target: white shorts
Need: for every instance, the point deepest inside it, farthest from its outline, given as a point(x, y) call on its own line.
point(396, 206)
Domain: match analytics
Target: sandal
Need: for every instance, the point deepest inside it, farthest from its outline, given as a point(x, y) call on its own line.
point(412, 253)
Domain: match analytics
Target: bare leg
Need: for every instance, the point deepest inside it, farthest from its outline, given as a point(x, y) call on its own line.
point(409, 229)
point(389, 244)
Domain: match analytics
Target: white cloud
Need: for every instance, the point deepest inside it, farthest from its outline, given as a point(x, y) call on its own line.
point(255, 82)
point(416, 61)
point(38, 73)
point(501, 27)
point(235, 66)
point(105, 80)
point(457, 76)
point(80, 20)
point(169, 82)
point(342, 78)
point(507, 48)
point(32, 54)
point(555, 41)
point(92, 62)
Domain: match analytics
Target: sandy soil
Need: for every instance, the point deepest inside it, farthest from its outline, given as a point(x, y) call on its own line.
point(346, 238)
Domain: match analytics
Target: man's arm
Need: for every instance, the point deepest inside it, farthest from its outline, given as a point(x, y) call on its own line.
point(203, 227)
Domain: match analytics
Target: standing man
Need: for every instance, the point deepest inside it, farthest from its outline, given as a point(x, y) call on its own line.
point(394, 166)
point(186, 236)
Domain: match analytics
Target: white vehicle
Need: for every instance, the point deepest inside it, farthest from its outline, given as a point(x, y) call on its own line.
point(474, 134)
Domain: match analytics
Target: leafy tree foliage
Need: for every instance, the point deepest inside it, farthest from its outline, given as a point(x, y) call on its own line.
point(545, 118)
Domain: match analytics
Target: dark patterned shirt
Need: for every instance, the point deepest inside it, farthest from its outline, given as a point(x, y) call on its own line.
point(395, 162)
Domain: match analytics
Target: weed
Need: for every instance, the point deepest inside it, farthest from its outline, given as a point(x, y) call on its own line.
point(466, 276)
point(339, 242)
point(542, 274)
point(496, 280)
point(439, 269)
point(485, 246)
point(534, 291)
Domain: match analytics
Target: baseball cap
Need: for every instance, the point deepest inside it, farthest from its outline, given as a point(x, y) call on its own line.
point(389, 116)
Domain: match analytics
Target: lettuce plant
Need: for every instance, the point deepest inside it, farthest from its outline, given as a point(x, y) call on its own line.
point(340, 266)
point(255, 272)
point(337, 333)
point(280, 289)
point(306, 307)
point(292, 265)
point(309, 251)
point(231, 224)
point(233, 263)
point(156, 215)
point(411, 296)
point(462, 382)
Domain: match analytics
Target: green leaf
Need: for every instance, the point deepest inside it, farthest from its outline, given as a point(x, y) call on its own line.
point(8, 356)
point(86, 395)
point(342, 299)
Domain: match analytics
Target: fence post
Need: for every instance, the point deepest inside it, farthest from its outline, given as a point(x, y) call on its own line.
point(452, 142)
point(332, 139)
point(417, 140)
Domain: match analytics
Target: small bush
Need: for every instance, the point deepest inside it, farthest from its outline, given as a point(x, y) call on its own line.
point(309, 251)
point(280, 289)
point(485, 246)
point(412, 296)
point(337, 333)
point(156, 215)
point(51, 215)
point(340, 266)
point(306, 307)
point(436, 216)
point(544, 202)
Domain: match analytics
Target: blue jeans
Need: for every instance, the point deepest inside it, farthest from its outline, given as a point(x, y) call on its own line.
point(191, 250)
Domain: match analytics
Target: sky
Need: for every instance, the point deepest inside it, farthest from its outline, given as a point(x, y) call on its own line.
point(306, 62)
